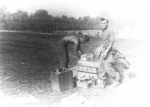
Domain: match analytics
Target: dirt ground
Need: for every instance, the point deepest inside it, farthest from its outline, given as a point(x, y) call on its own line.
point(26, 61)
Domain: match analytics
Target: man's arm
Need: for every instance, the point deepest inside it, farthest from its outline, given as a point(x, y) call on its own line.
point(109, 47)
point(111, 42)
point(78, 50)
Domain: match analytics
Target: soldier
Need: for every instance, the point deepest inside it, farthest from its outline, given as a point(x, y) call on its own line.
point(63, 50)
point(112, 60)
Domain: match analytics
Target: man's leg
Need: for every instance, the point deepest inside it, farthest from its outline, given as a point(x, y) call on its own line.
point(109, 69)
point(63, 56)
point(63, 64)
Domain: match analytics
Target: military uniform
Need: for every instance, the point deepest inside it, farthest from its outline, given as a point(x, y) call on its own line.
point(114, 61)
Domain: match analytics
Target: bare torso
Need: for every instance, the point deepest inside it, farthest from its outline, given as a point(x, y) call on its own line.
point(70, 40)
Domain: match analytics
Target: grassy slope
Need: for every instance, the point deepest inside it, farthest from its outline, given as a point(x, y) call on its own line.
point(27, 59)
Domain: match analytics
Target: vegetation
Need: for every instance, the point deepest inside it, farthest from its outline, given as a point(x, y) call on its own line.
point(42, 21)
point(27, 59)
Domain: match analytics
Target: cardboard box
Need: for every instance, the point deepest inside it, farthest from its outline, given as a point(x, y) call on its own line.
point(61, 80)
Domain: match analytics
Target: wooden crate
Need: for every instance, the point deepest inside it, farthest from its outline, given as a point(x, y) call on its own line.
point(88, 67)
point(63, 81)
point(85, 84)
point(81, 73)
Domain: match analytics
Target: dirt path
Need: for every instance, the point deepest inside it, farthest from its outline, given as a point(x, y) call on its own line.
point(134, 92)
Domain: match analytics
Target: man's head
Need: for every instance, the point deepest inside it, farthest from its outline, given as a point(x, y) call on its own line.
point(84, 38)
point(104, 23)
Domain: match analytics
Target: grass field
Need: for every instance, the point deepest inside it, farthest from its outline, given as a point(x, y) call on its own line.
point(27, 59)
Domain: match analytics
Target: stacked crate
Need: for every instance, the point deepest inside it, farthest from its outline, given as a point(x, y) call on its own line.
point(87, 69)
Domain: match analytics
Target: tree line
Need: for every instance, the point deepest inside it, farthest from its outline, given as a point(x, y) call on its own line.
point(42, 21)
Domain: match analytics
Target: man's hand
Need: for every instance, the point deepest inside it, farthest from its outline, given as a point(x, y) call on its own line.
point(98, 50)
point(83, 57)
point(104, 55)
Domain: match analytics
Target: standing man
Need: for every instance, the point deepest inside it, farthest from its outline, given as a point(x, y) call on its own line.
point(112, 60)
point(107, 40)
point(63, 48)
point(102, 52)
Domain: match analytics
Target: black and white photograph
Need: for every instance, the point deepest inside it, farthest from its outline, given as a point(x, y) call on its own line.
point(74, 53)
